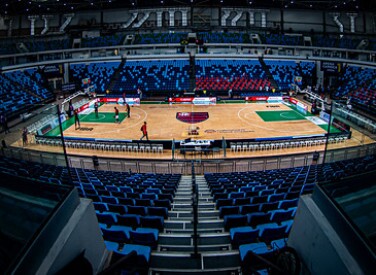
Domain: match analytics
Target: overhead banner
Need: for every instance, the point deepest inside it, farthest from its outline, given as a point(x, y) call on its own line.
point(53, 70)
point(331, 67)
point(194, 100)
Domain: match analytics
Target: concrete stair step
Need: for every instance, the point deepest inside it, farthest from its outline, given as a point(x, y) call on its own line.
point(216, 271)
point(190, 248)
point(207, 205)
point(187, 239)
point(177, 231)
point(204, 261)
point(181, 224)
point(189, 199)
point(210, 214)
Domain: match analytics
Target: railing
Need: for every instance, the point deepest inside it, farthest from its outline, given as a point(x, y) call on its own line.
point(195, 212)
point(184, 167)
point(160, 51)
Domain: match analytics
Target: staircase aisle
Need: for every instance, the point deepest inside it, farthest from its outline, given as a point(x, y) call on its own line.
point(268, 73)
point(175, 253)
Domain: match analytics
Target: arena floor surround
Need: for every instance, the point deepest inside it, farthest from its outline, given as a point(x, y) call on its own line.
point(231, 121)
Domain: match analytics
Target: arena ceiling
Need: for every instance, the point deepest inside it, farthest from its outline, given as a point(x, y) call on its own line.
point(18, 7)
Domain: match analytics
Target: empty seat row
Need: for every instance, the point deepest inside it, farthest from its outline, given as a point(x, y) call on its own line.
point(254, 219)
point(264, 232)
point(267, 195)
point(252, 208)
point(121, 209)
point(109, 220)
point(125, 235)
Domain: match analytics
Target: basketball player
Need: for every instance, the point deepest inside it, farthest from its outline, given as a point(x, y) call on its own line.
point(128, 110)
point(76, 120)
point(96, 109)
point(116, 115)
point(144, 131)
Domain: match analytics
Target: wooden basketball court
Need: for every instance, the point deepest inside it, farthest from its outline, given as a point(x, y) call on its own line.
point(231, 121)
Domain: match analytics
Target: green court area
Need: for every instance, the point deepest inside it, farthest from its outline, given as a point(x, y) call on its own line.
point(87, 118)
point(333, 130)
point(269, 116)
point(102, 117)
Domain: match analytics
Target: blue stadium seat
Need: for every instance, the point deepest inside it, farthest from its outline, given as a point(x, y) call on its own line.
point(231, 221)
point(145, 236)
point(243, 235)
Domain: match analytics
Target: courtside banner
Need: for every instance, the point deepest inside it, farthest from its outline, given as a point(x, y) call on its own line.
point(194, 100)
point(298, 103)
point(274, 98)
point(130, 100)
point(263, 98)
point(83, 107)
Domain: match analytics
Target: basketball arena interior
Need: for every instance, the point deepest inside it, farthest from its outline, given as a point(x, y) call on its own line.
point(188, 137)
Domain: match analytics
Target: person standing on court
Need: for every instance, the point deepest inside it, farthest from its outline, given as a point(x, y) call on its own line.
point(116, 115)
point(96, 109)
point(139, 92)
point(128, 110)
point(76, 120)
point(4, 124)
point(144, 131)
point(124, 100)
point(25, 132)
point(70, 109)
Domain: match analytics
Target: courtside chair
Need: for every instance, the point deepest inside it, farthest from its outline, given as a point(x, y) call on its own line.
point(232, 147)
point(129, 147)
point(135, 147)
point(141, 148)
point(160, 148)
point(239, 147)
point(245, 146)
